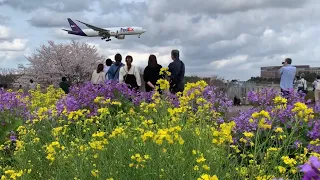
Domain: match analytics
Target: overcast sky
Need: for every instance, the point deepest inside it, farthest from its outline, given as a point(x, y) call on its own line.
point(228, 38)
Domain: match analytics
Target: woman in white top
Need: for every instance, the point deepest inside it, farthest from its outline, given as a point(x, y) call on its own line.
point(302, 84)
point(130, 75)
point(98, 75)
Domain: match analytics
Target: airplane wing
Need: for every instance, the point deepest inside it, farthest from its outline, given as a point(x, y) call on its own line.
point(95, 28)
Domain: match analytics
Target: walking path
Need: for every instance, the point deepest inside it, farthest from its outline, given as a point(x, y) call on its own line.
point(234, 110)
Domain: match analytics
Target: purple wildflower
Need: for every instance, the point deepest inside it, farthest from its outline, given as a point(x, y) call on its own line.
point(311, 169)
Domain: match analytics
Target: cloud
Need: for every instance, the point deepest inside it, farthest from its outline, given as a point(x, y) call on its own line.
point(159, 9)
point(50, 18)
point(15, 45)
point(4, 19)
point(4, 32)
point(57, 5)
point(231, 62)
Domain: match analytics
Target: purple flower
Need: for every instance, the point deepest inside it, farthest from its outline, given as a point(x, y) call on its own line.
point(13, 137)
point(311, 169)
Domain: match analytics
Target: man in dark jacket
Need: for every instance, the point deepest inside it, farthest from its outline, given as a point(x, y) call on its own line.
point(177, 70)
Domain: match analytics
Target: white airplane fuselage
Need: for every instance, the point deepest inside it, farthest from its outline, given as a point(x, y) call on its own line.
point(116, 31)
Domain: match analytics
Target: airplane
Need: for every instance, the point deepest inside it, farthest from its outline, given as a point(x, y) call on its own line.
point(105, 33)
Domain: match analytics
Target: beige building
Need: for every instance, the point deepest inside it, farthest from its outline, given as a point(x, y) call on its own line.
point(271, 72)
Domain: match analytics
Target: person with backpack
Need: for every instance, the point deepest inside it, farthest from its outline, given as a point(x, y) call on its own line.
point(177, 70)
point(113, 71)
point(130, 75)
point(316, 85)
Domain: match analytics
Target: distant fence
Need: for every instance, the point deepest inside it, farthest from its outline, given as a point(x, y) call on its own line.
point(241, 89)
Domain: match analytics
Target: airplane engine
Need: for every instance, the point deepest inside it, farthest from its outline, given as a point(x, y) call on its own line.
point(120, 36)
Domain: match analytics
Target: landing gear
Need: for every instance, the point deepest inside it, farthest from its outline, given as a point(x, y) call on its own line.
point(106, 37)
point(139, 35)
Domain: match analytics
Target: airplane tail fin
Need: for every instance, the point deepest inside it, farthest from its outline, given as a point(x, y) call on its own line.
point(74, 26)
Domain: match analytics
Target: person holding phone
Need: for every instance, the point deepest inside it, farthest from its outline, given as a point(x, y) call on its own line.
point(287, 75)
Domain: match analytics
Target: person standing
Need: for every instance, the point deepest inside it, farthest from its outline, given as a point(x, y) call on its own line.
point(302, 84)
point(287, 74)
point(98, 76)
point(151, 73)
point(316, 85)
point(64, 85)
point(113, 72)
point(32, 85)
point(177, 70)
point(107, 66)
point(130, 75)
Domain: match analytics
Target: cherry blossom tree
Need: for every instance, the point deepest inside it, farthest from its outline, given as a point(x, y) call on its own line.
point(76, 61)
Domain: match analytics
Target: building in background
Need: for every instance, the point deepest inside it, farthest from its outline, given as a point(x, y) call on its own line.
point(271, 72)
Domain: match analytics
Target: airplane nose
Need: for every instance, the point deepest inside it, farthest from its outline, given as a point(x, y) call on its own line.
point(144, 30)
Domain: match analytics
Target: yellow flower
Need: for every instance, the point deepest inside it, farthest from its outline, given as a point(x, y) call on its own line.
point(164, 84)
point(206, 167)
point(208, 177)
point(289, 161)
point(281, 169)
point(279, 130)
point(196, 168)
point(280, 100)
point(262, 114)
point(201, 159)
point(302, 111)
point(98, 134)
point(262, 124)
point(248, 134)
point(194, 152)
point(224, 135)
point(95, 172)
point(251, 120)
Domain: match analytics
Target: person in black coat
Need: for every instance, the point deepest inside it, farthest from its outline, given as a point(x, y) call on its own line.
point(152, 73)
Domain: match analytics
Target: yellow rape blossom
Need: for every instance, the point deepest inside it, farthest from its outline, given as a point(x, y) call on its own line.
point(208, 177)
point(280, 100)
point(302, 111)
point(248, 134)
point(224, 135)
point(289, 161)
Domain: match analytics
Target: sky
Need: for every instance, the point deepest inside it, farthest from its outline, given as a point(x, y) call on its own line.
point(231, 39)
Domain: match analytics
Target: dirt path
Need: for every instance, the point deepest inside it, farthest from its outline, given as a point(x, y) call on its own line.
point(235, 110)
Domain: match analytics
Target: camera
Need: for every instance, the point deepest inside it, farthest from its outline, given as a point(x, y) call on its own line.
point(282, 62)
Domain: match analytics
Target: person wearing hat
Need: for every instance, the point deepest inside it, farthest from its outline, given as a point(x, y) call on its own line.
point(177, 70)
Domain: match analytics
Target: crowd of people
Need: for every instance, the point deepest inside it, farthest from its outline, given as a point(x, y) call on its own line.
point(288, 78)
point(129, 74)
